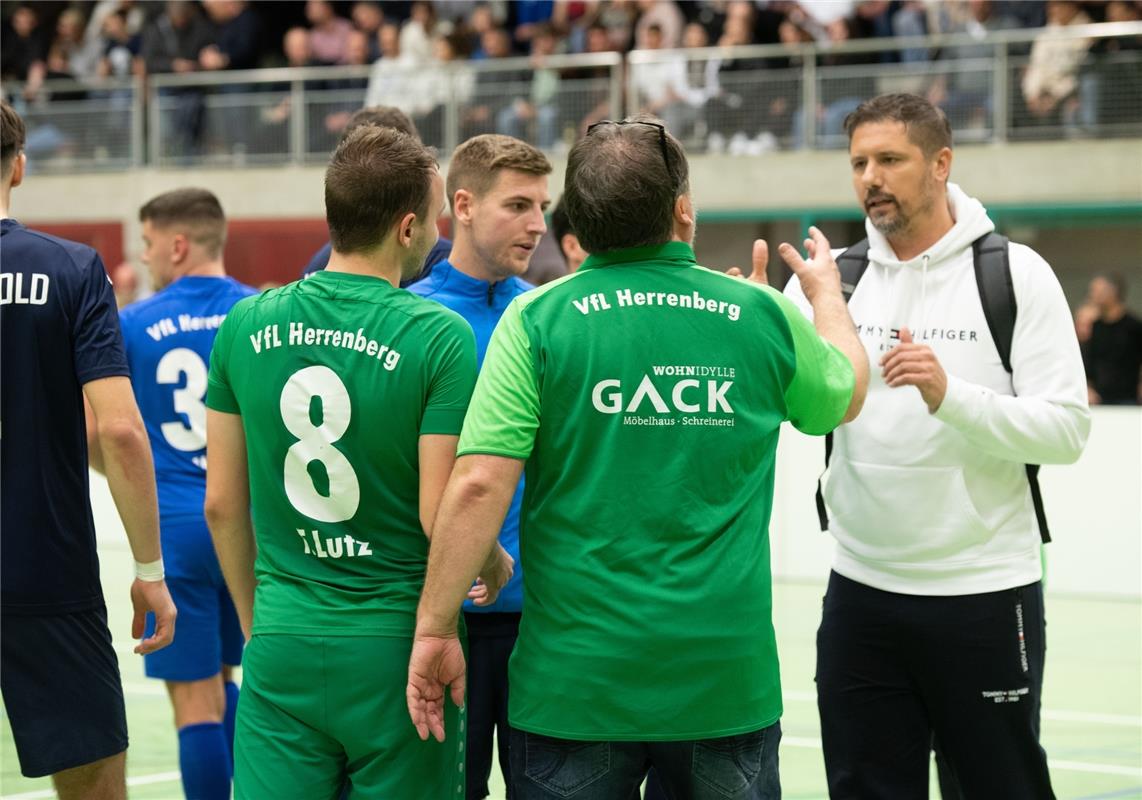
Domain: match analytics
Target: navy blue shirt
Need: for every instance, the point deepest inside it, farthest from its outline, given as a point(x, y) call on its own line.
point(440, 251)
point(59, 329)
point(482, 304)
point(168, 338)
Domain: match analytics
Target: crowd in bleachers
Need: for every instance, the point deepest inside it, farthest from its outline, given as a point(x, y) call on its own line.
point(700, 100)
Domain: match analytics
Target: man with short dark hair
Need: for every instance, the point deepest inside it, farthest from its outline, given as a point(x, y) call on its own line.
point(334, 405)
point(1113, 354)
point(645, 394)
point(381, 117)
point(168, 339)
point(498, 189)
point(61, 345)
point(933, 620)
point(565, 238)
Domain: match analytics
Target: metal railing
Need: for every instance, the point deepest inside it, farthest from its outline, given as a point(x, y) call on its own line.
point(296, 115)
point(757, 97)
point(90, 126)
point(742, 100)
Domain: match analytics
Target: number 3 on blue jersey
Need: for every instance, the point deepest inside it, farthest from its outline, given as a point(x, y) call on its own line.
point(188, 400)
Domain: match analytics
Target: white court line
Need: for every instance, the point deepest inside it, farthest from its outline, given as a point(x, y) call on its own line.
point(139, 780)
point(1120, 720)
point(1068, 766)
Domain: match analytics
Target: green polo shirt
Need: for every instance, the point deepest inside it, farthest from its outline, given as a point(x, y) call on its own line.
point(646, 394)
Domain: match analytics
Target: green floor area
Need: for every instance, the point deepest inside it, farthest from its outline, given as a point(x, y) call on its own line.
point(1092, 718)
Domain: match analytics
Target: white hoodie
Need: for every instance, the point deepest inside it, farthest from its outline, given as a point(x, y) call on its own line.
point(939, 504)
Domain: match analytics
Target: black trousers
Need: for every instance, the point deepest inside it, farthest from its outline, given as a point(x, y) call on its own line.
point(491, 637)
point(896, 673)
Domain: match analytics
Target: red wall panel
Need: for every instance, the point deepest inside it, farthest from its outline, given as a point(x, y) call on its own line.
point(105, 237)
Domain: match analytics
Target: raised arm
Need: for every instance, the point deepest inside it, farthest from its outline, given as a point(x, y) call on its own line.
point(821, 282)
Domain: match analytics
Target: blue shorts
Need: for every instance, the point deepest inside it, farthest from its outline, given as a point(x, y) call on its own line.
point(206, 634)
point(60, 680)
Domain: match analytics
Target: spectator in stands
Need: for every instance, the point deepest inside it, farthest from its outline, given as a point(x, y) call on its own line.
point(662, 88)
point(495, 90)
point(299, 53)
point(23, 50)
point(134, 16)
point(172, 43)
point(417, 31)
point(329, 33)
point(1051, 83)
point(667, 16)
point(965, 94)
point(119, 47)
point(368, 16)
point(479, 22)
point(81, 56)
point(619, 20)
point(173, 40)
point(572, 18)
point(540, 109)
point(744, 117)
point(336, 114)
point(396, 80)
point(839, 96)
point(238, 36)
point(590, 84)
point(527, 18)
point(1113, 353)
point(456, 87)
point(1113, 87)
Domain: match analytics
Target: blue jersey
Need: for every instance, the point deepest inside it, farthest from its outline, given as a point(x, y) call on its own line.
point(482, 304)
point(168, 338)
point(58, 331)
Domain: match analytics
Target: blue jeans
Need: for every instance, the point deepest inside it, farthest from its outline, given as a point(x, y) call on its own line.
point(742, 767)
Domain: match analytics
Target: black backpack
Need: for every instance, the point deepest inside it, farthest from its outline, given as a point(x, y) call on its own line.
point(996, 294)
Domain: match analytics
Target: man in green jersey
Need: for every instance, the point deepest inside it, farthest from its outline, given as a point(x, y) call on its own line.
point(334, 406)
point(645, 395)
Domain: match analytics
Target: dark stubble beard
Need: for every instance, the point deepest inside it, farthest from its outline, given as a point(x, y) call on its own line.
point(901, 222)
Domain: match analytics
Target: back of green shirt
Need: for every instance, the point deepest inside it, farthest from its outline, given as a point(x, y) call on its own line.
point(646, 394)
point(336, 378)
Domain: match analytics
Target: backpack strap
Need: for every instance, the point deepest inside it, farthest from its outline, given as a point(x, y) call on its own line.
point(852, 265)
point(997, 296)
point(996, 293)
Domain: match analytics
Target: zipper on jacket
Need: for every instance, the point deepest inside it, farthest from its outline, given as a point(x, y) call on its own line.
point(491, 293)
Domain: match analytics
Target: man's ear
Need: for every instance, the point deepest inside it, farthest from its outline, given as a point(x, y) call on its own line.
point(406, 230)
point(180, 248)
point(944, 164)
point(18, 167)
point(462, 206)
point(684, 210)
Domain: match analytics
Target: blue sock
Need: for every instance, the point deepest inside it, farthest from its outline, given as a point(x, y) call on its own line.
point(204, 761)
point(231, 715)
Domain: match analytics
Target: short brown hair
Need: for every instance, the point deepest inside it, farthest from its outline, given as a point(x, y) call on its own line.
point(623, 180)
point(376, 176)
point(382, 117)
point(476, 164)
point(197, 210)
point(928, 128)
point(12, 136)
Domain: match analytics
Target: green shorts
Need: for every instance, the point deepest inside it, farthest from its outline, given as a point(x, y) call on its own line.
point(316, 710)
